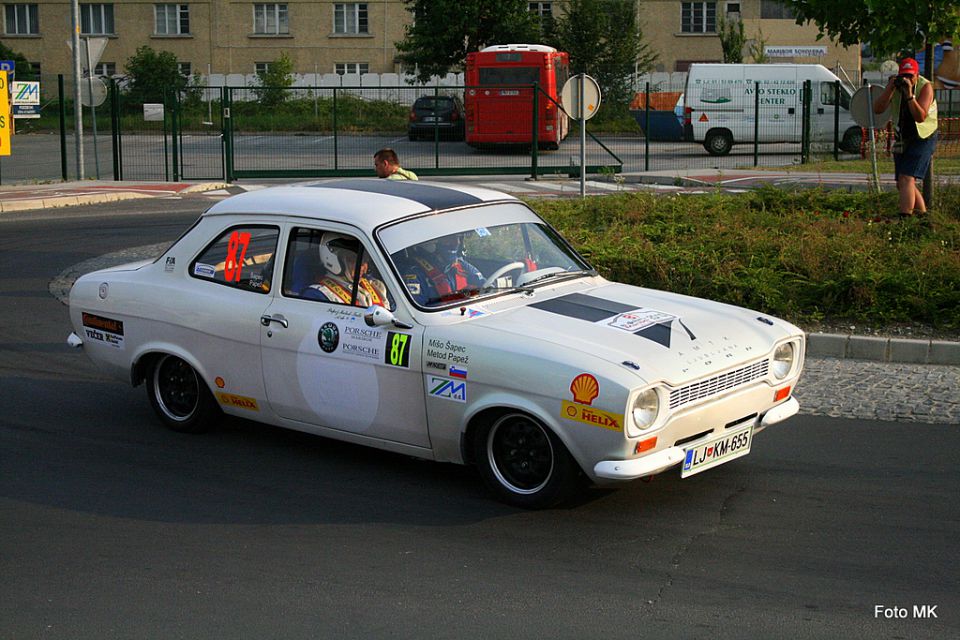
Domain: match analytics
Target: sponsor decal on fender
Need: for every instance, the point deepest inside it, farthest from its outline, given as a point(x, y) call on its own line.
point(241, 402)
point(447, 389)
point(592, 416)
point(106, 330)
point(585, 390)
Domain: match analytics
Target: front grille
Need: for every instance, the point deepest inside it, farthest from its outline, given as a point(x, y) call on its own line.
point(718, 384)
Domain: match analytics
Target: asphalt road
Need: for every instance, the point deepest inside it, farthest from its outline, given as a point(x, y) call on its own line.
point(112, 527)
point(37, 156)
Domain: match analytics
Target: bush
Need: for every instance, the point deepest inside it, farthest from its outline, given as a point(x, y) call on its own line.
point(151, 74)
point(807, 256)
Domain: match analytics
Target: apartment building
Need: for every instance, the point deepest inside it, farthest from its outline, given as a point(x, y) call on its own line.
point(233, 36)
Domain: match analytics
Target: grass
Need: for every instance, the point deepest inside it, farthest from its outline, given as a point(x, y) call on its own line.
point(942, 166)
point(808, 256)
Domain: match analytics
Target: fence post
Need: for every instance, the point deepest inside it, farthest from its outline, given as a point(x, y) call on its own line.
point(756, 123)
point(114, 132)
point(646, 128)
point(336, 153)
point(226, 102)
point(534, 150)
point(805, 135)
point(836, 119)
point(63, 129)
point(166, 153)
point(436, 128)
point(175, 138)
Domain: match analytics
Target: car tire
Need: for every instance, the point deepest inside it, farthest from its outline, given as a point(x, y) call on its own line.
point(179, 396)
point(523, 462)
point(718, 142)
point(852, 140)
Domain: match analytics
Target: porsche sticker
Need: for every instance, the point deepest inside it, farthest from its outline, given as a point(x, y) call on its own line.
point(105, 330)
point(240, 402)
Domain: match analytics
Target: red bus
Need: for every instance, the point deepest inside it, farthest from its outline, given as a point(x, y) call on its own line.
point(498, 100)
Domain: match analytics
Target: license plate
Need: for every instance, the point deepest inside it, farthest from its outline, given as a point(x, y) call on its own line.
point(430, 119)
point(724, 448)
point(510, 92)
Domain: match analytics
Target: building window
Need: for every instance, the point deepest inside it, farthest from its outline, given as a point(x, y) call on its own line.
point(776, 10)
point(184, 68)
point(350, 17)
point(172, 19)
point(261, 68)
point(96, 19)
point(22, 19)
point(106, 69)
point(270, 19)
point(343, 68)
point(698, 17)
point(733, 8)
point(542, 9)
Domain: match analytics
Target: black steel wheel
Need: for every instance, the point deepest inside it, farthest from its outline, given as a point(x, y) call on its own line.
point(523, 462)
point(718, 142)
point(179, 397)
point(852, 139)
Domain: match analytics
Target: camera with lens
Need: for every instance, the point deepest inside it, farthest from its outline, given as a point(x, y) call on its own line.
point(902, 82)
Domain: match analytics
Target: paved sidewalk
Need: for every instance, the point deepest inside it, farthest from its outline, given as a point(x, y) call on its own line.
point(68, 194)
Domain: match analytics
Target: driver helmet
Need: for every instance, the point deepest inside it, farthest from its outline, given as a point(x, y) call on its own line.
point(332, 247)
point(447, 247)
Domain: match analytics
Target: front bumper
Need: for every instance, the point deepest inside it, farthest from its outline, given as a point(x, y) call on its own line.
point(666, 458)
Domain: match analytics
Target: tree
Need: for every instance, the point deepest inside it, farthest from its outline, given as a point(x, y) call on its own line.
point(443, 32)
point(604, 39)
point(275, 81)
point(23, 69)
point(150, 73)
point(732, 39)
point(758, 48)
point(889, 25)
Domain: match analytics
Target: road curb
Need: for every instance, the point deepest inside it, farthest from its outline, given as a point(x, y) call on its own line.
point(68, 201)
point(876, 349)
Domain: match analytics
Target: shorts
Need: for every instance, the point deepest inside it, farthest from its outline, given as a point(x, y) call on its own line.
point(915, 159)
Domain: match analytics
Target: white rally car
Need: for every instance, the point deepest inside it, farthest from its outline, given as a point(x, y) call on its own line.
point(449, 323)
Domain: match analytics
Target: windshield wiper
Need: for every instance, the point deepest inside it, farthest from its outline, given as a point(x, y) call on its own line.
point(558, 274)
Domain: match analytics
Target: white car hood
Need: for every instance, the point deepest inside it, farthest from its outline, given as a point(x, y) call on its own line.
point(669, 337)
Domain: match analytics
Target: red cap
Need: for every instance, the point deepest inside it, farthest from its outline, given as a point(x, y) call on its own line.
point(909, 65)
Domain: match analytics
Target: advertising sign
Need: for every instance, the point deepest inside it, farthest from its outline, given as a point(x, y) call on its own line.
point(4, 116)
point(26, 99)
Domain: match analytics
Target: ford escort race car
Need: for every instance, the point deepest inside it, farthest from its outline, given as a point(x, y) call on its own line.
point(445, 322)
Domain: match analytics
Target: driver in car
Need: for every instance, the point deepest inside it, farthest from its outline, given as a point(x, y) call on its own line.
point(338, 254)
point(437, 271)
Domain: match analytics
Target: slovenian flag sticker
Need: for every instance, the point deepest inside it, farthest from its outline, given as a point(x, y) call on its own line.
point(456, 372)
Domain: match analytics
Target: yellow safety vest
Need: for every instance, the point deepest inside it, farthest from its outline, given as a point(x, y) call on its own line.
point(926, 128)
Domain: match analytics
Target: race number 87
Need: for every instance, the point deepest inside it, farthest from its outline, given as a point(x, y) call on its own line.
point(398, 349)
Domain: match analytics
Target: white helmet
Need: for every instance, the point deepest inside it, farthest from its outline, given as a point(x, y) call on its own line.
point(330, 247)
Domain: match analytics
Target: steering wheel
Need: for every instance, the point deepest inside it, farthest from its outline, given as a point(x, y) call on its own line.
point(492, 278)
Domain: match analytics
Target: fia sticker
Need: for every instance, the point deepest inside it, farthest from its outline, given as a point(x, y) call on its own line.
point(170, 264)
point(483, 232)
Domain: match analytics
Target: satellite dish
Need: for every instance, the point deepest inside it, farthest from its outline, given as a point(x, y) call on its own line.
point(861, 105)
point(93, 92)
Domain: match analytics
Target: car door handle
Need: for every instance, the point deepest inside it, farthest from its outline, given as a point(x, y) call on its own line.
point(265, 320)
point(820, 111)
point(791, 111)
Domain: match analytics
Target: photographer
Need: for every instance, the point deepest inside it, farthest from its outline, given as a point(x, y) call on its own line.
point(914, 110)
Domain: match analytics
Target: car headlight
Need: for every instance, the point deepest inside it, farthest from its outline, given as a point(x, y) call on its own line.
point(646, 407)
point(783, 360)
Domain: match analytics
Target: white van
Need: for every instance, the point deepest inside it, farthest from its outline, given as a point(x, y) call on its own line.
point(720, 103)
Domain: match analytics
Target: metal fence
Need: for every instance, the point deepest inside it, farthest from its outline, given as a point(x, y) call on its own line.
point(213, 133)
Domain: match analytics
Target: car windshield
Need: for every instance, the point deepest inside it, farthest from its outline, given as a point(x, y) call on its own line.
point(484, 251)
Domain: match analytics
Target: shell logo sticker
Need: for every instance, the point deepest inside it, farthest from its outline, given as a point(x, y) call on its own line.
point(585, 388)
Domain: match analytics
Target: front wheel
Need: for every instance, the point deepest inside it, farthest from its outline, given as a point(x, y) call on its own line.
point(178, 395)
point(852, 140)
point(523, 462)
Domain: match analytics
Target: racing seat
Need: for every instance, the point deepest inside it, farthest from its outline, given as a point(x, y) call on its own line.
point(306, 271)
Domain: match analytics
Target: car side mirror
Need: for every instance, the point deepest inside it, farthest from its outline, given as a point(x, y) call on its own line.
point(377, 316)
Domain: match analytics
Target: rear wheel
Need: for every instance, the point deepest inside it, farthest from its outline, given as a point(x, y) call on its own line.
point(523, 462)
point(852, 139)
point(178, 395)
point(718, 142)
